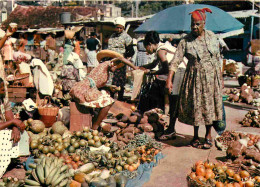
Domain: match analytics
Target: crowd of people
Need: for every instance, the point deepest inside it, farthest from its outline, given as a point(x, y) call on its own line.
point(188, 75)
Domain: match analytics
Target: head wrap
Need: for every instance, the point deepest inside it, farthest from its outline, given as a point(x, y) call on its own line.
point(200, 14)
point(120, 21)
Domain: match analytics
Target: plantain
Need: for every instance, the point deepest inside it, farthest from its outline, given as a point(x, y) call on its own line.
point(40, 173)
point(58, 180)
point(32, 182)
point(33, 166)
point(64, 168)
point(51, 175)
point(56, 176)
point(64, 182)
point(29, 172)
point(43, 161)
point(46, 170)
point(35, 176)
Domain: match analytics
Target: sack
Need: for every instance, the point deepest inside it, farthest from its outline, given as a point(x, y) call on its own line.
point(220, 126)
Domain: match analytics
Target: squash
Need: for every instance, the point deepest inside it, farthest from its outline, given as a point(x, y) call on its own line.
point(98, 182)
point(37, 126)
point(86, 168)
point(75, 184)
point(121, 180)
point(80, 177)
point(58, 128)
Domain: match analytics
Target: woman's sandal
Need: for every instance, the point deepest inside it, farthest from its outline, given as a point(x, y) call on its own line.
point(208, 144)
point(196, 143)
point(166, 137)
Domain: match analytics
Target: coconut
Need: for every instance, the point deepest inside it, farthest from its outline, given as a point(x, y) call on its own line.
point(37, 126)
point(58, 128)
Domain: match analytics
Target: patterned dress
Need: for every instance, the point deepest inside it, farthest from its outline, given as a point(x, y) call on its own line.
point(200, 101)
point(69, 75)
point(118, 43)
point(86, 92)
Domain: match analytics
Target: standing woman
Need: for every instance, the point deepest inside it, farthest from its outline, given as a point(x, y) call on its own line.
point(200, 99)
point(120, 42)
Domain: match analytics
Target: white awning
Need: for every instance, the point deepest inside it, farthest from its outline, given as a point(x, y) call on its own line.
point(231, 33)
point(242, 13)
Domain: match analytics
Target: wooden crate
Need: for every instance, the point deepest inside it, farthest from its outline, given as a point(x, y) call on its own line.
point(17, 94)
point(79, 117)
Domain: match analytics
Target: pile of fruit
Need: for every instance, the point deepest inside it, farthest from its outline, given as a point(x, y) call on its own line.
point(252, 119)
point(226, 138)
point(219, 175)
point(49, 171)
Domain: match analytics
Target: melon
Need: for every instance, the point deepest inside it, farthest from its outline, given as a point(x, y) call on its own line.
point(37, 126)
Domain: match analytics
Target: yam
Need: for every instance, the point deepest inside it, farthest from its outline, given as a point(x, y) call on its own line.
point(144, 120)
point(121, 124)
point(106, 127)
point(235, 149)
point(129, 135)
point(128, 129)
point(124, 119)
point(147, 127)
point(133, 119)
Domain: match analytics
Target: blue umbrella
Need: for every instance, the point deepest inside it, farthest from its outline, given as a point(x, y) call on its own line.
point(177, 20)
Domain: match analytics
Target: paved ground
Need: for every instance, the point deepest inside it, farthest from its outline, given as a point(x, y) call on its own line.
point(179, 158)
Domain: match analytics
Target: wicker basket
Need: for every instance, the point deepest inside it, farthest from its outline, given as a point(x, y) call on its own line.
point(194, 183)
point(48, 113)
point(21, 78)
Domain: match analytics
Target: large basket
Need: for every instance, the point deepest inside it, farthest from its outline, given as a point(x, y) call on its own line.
point(21, 78)
point(48, 113)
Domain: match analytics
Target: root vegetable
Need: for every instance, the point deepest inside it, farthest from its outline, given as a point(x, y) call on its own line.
point(105, 127)
point(133, 119)
point(144, 120)
point(128, 129)
point(129, 135)
point(121, 124)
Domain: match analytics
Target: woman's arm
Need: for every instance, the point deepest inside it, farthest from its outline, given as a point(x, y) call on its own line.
point(163, 60)
point(126, 62)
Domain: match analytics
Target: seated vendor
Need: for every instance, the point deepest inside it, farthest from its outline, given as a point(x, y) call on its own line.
point(7, 119)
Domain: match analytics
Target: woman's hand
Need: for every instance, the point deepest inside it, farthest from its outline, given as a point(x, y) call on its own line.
point(169, 85)
point(15, 135)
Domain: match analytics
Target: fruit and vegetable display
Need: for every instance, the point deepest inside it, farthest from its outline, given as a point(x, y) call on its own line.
point(251, 119)
point(220, 175)
point(11, 182)
point(93, 157)
point(245, 94)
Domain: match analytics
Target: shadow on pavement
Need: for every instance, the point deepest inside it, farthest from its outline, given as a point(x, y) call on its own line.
point(182, 140)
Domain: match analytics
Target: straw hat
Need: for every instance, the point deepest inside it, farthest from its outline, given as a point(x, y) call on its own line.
point(108, 53)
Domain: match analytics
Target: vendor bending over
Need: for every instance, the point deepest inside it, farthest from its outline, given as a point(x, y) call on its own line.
point(7, 119)
point(87, 92)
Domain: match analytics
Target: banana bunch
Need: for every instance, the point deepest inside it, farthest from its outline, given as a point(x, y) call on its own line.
point(50, 172)
point(11, 182)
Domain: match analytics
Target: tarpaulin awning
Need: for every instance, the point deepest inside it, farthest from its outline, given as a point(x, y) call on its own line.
point(177, 20)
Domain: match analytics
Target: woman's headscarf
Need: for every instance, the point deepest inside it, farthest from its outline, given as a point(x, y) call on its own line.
point(200, 14)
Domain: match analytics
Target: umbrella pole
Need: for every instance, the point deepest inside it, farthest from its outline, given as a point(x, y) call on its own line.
point(252, 21)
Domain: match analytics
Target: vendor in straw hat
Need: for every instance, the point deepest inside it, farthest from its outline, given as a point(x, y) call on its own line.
point(200, 97)
point(120, 42)
point(87, 93)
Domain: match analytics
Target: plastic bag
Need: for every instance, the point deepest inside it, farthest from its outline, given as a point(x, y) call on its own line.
point(220, 126)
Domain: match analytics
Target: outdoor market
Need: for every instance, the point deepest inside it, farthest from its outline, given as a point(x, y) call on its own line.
point(92, 96)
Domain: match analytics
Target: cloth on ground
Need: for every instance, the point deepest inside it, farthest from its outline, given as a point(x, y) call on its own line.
point(42, 78)
point(144, 172)
point(138, 80)
point(77, 63)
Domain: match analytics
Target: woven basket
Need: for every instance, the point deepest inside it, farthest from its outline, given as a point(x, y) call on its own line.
point(194, 183)
point(46, 109)
point(21, 78)
point(69, 34)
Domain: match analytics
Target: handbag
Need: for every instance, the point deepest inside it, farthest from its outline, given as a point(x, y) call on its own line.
point(152, 95)
point(220, 125)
